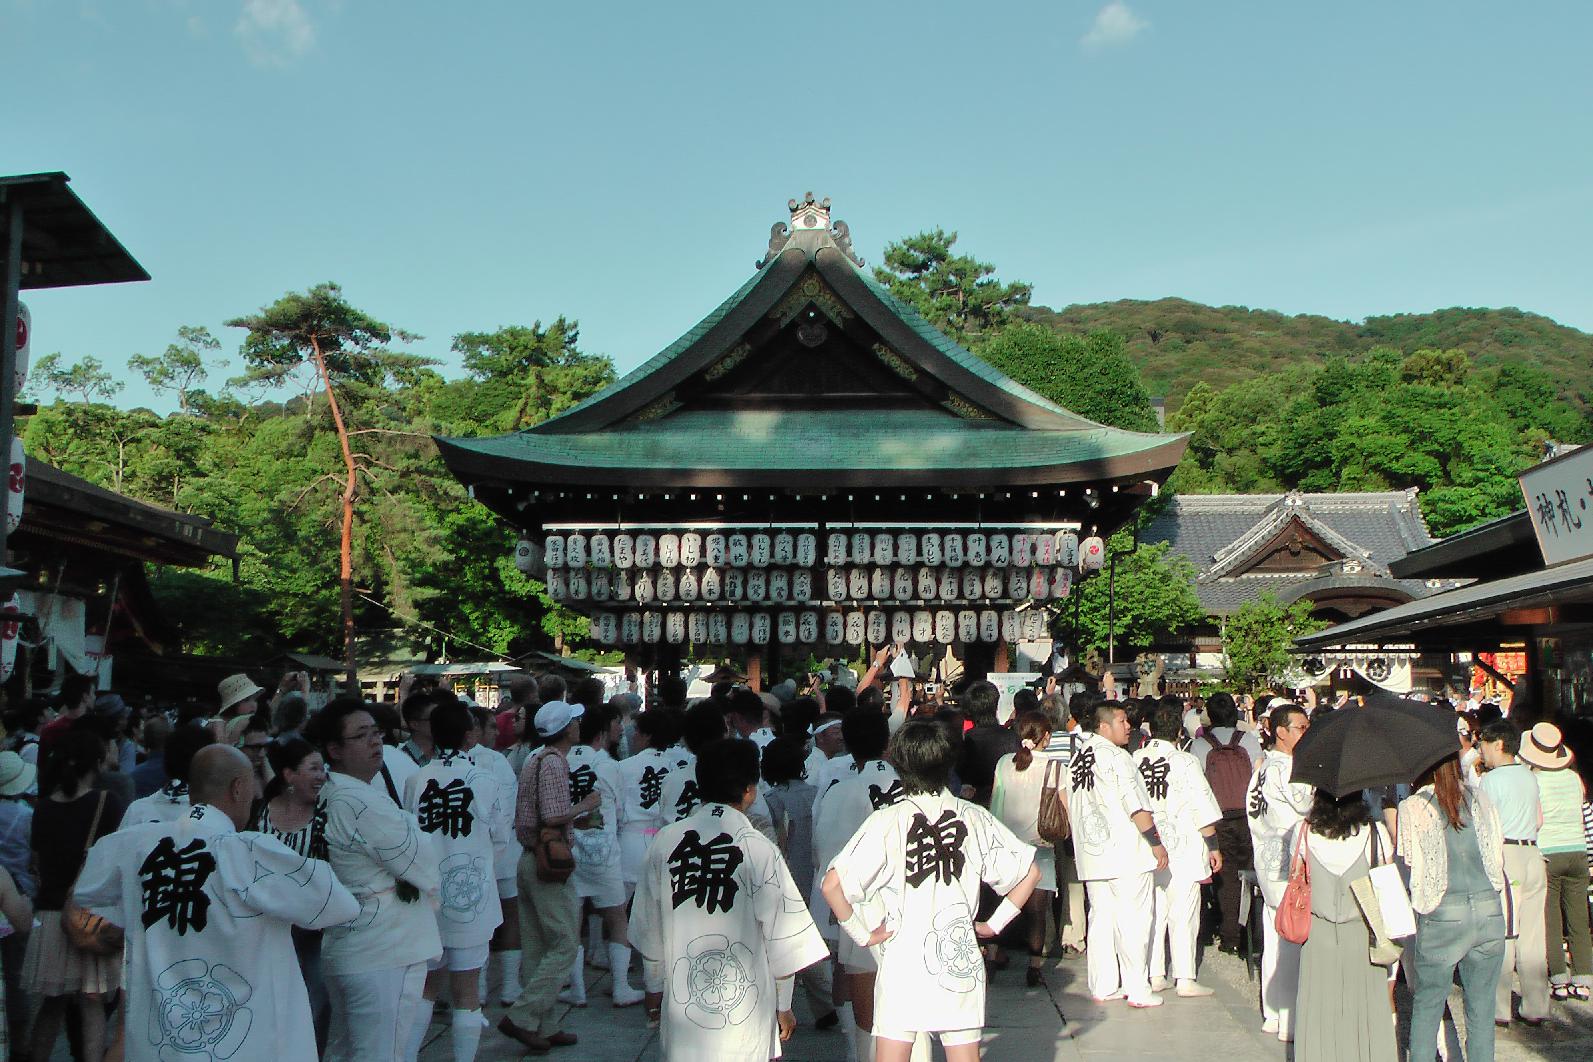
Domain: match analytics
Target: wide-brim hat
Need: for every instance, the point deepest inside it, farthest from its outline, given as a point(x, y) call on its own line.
point(110, 706)
point(16, 774)
point(236, 688)
point(1544, 747)
point(553, 718)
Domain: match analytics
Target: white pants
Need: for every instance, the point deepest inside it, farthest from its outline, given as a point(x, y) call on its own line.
point(1528, 954)
point(1117, 943)
point(1280, 974)
point(1177, 919)
point(371, 1013)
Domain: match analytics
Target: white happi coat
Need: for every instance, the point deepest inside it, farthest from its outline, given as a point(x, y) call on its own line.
point(1104, 792)
point(1274, 806)
point(496, 764)
point(718, 919)
point(452, 800)
point(1182, 803)
point(923, 858)
point(211, 971)
point(840, 809)
point(641, 804)
point(597, 854)
point(680, 797)
point(372, 844)
point(166, 804)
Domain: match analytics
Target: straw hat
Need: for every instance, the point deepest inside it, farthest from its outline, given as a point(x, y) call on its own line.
point(16, 774)
point(236, 688)
point(1544, 747)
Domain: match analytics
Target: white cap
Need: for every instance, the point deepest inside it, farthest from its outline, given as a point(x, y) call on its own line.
point(554, 717)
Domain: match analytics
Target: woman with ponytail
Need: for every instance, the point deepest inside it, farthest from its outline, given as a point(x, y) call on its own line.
point(1015, 800)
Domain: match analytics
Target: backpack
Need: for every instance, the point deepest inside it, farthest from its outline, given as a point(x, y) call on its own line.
point(1228, 771)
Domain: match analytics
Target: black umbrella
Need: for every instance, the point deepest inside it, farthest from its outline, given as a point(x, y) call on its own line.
point(1389, 742)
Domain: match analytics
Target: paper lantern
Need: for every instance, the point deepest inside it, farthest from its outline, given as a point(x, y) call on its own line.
point(884, 547)
point(1044, 549)
point(607, 628)
point(901, 626)
point(714, 550)
point(945, 627)
point(690, 549)
point(735, 584)
point(857, 583)
point(994, 583)
point(806, 550)
point(602, 588)
point(24, 345)
point(675, 628)
point(802, 585)
point(973, 583)
point(10, 633)
point(762, 627)
point(1017, 583)
point(697, 627)
point(711, 585)
point(1061, 582)
point(740, 628)
point(862, 547)
point(1039, 584)
point(1092, 554)
point(906, 548)
point(835, 628)
point(757, 585)
point(718, 628)
point(856, 628)
point(1000, 550)
point(527, 554)
point(664, 587)
point(903, 584)
point(779, 585)
point(687, 585)
point(989, 625)
point(835, 549)
point(737, 547)
point(784, 548)
point(762, 549)
point(553, 551)
point(929, 549)
point(668, 550)
point(879, 584)
point(575, 551)
point(928, 584)
point(1011, 626)
point(808, 628)
point(631, 628)
point(835, 583)
point(1067, 549)
point(624, 551)
point(951, 549)
point(643, 588)
point(599, 552)
point(558, 589)
point(646, 551)
point(950, 584)
point(652, 627)
point(1022, 556)
point(923, 625)
point(967, 626)
point(974, 548)
point(622, 586)
point(878, 627)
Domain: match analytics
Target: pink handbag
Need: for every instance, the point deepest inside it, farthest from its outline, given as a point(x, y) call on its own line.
point(1294, 912)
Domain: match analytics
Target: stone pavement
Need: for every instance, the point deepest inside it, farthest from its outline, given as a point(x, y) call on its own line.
point(1054, 1023)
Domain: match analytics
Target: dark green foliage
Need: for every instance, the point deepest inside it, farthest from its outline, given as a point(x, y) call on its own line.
point(956, 293)
point(1155, 598)
point(1258, 639)
point(1089, 375)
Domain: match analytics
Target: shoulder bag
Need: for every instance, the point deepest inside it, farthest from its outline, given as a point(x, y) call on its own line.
point(1053, 824)
point(1294, 912)
point(85, 931)
point(555, 859)
point(1369, 892)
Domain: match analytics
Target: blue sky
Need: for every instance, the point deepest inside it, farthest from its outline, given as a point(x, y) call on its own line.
point(468, 165)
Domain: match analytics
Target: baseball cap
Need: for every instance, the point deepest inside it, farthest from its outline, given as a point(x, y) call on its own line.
point(552, 718)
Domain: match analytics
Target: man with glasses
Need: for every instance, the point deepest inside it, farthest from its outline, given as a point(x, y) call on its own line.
point(1275, 806)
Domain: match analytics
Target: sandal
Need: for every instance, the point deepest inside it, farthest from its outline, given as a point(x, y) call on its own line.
point(1580, 992)
point(1560, 991)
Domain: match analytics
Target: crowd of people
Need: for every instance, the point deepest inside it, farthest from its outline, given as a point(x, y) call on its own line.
point(251, 879)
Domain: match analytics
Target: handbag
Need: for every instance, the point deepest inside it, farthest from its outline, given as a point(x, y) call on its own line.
point(1053, 824)
point(1294, 912)
point(86, 931)
point(555, 858)
point(1369, 892)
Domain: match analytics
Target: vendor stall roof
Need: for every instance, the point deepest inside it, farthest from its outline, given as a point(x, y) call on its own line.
point(63, 243)
point(61, 506)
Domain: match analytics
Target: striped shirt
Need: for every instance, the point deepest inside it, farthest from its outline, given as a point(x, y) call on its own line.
point(308, 840)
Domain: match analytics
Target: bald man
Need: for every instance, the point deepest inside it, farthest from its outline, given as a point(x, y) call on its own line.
point(207, 912)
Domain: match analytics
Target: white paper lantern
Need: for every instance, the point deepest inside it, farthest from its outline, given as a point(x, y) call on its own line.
point(802, 586)
point(1000, 550)
point(784, 548)
point(622, 586)
point(974, 547)
point(1067, 549)
point(718, 628)
point(806, 550)
point(553, 551)
point(736, 545)
point(690, 549)
point(835, 583)
point(928, 584)
point(994, 583)
point(1092, 554)
point(762, 628)
point(665, 586)
point(884, 547)
point(652, 627)
point(668, 550)
point(735, 584)
point(624, 551)
point(808, 628)
point(602, 588)
point(929, 549)
point(835, 549)
point(697, 627)
point(951, 548)
point(714, 550)
point(903, 588)
point(923, 625)
point(1044, 551)
point(1061, 582)
point(857, 583)
point(967, 626)
point(945, 627)
point(786, 628)
point(761, 550)
point(856, 628)
point(558, 588)
point(1036, 625)
point(1011, 627)
point(575, 551)
point(835, 628)
point(598, 550)
point(879, 584)
point(878, 627)
point(675, 628)
point(779, 585)
point(711, 585)
point(1017, 583)
point(631, 628)
point(973, 584)
point(901, 626)
point(989, 625)
point(646, 551)
point(607, 628)
point(862, 547)
point(1039, 584)
point(1022, 556)
point(757, 585)
point(688, 585)
point(950, 584)
point(906, 548)
point(24, 348)
point(643, 588)
point(526, 553)
point(740, 628)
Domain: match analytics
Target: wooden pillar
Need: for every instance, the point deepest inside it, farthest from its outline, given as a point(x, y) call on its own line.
point(1003, 663)
point(755, 672)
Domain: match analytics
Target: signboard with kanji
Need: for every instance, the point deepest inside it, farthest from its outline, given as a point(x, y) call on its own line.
point(1559, 496)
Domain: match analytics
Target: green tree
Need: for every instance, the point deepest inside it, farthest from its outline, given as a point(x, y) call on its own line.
point(182, 368)
point(1090, 375)
point(86, 381)
point(1258, 639)
point(1154, 599)
point(956, 293)
point(527, 375)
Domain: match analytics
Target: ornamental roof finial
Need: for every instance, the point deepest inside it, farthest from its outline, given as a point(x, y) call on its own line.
point(810, 215)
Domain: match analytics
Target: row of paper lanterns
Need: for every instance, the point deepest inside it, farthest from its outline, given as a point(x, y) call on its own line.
point(760, 549)
point(807, 586)
point(813, 627)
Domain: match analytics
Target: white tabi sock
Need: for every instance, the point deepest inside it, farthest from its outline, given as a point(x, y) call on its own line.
point(619, 961)
point(466, 1034)
point(509, 976)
